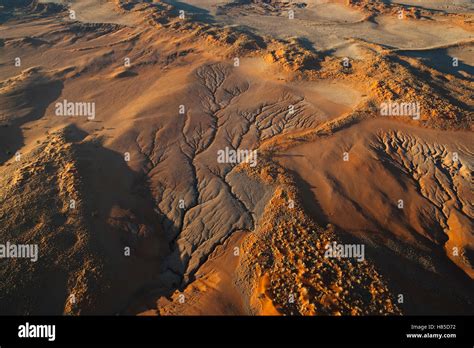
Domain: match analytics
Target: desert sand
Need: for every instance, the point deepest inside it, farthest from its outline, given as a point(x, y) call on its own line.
point(134, 213)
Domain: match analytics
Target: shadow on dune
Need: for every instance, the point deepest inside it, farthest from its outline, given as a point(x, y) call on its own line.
point(442, 61)
point(425, 291)
point(82, 251)
point(193, 11)
point(20, 106)
point(124, 215)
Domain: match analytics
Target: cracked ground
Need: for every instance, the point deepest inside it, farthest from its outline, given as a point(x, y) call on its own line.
point(158, 226)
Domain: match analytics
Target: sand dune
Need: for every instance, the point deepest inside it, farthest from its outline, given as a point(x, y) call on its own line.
point(159, 225)
point(388, 162)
